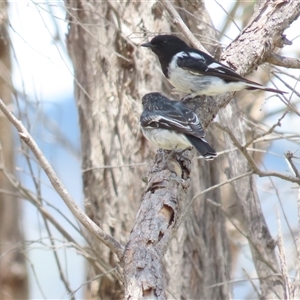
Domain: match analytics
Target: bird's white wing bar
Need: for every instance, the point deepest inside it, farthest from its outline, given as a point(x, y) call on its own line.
point(216, 66)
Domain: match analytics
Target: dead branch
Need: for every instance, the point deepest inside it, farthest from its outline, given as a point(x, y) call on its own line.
point(282, 61)
point(251, 161)
point(155, 225)
point(289, 156)
point(181, 26)
point(106, 239)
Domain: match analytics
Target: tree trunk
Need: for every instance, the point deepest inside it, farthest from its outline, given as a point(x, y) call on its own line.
point(112, 75)
point(13, 271)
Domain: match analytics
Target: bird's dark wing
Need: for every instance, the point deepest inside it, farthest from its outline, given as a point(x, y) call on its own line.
point(181, 122)
point(190, 118)
point(202, 146)
point(199, 63)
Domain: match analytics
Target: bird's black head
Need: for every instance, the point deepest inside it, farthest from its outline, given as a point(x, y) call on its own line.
point(153, 99)
point(166, 45)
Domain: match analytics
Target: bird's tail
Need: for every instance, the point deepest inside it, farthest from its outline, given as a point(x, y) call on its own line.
point(256, 86)
point(202, 146)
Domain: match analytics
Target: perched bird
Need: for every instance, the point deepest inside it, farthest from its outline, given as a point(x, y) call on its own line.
point(171, 125)
point(193, 71)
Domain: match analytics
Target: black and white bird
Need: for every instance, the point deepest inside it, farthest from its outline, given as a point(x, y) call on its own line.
point(172, 125)
point(193, 71)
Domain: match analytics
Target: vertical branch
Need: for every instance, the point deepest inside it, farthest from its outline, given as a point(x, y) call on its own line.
point(295, 290)
point(155, 225)
point(13, 271)
point(254, 224)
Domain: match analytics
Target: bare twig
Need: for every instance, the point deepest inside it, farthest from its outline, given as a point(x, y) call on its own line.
point(289, 87)
point(296, 284)
point(282, 209)
point(252, 283)
point(91, 280)
point(282, 259)
point(24, 193)
point(289, 157)
point(180, 25)
point(210, 189)
point(251, 161)
point(116, 167)
point(251, 242)
point(106, 239)
point(267, 132)
point(35, 276)
point(57, 260)
point(280, 71)
point(230, 17)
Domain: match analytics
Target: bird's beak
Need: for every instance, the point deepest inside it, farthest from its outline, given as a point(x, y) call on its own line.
point(149, 45)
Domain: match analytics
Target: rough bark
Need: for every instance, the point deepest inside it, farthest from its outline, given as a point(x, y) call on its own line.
point(156, 223)
point(112, 75)
point(13, 271)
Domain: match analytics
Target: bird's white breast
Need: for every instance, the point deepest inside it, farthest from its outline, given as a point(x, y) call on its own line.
point(166, 139)
point(193, 82)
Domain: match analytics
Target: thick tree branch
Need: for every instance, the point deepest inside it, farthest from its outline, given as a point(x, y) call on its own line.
point(262, 36)
point(106, 239)
point(282, 61)
point(155, 225)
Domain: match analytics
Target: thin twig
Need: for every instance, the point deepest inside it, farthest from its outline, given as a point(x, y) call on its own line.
point(285, 73)
point(57, 260)
point(254, 245)
point(289, 87)
point(230, 17)
point(211, 189)
point(289, 157)
point(91, 280)
point(252, 283)
point(106, 239)
point(296, 285)
point(267, 132)
point(282, 259)
point(24, 193)
point(115, 167)
point(282, 209)
point(251, 161)
point(35, 277)
point(181, 26)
